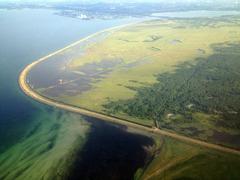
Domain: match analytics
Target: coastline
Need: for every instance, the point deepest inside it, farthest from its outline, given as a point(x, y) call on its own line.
point(33, 94)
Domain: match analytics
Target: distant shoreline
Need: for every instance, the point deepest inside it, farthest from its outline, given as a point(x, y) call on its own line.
point(36, 96)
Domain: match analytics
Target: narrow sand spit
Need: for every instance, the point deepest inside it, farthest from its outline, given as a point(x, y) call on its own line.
point(33, 94)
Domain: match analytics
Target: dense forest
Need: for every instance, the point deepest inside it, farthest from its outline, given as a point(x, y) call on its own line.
point(209, 86)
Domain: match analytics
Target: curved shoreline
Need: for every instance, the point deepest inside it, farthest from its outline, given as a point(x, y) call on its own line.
point(36, 96)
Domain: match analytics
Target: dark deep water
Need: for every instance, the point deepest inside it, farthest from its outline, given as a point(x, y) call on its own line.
point(110, 153)
point(26, 35)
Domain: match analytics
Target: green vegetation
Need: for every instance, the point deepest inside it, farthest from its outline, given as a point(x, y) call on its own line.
point(175, 160)
point(48, 149)
point(180, 75)
point(197, 99)
point(148, 49)
point(176, 74)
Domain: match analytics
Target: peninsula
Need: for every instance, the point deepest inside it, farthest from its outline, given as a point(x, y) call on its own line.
point(157, 76)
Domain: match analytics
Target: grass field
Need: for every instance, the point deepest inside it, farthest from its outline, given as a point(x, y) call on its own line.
point(145, 50)
point(175, 74)
point(200, 100)
point(181, 75)
point(176, 160)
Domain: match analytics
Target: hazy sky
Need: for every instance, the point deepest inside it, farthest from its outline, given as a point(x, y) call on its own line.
point(227, 1)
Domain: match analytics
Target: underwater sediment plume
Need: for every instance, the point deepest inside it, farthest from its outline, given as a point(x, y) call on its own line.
point(170, 91)
point(48, 149)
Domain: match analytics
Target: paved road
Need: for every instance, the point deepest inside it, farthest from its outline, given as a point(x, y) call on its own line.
point(30, 92)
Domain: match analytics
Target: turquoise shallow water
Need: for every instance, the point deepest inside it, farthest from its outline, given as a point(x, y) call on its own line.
point(33, 136)
point(39, 142)
point(25, 36)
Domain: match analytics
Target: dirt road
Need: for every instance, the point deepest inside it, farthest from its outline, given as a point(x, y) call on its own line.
point(30, 92)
